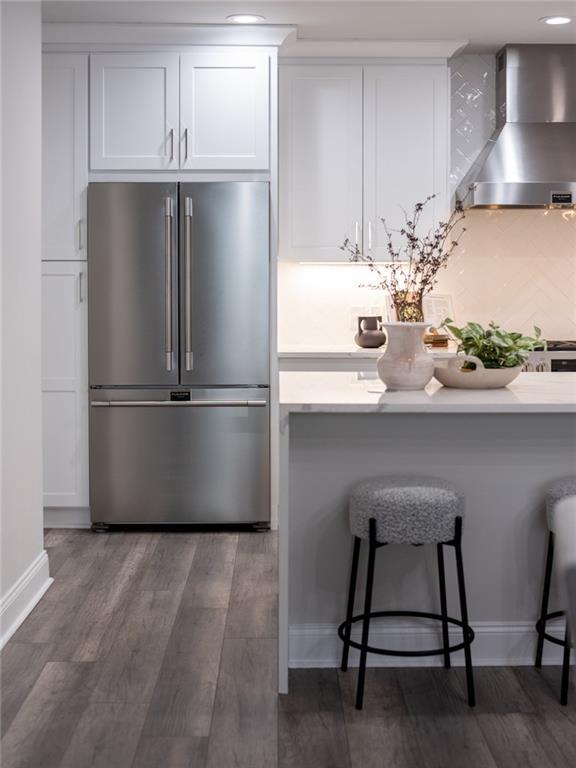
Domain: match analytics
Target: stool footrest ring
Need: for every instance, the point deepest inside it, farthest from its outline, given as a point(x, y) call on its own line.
point(468, 633)
point(540, 628)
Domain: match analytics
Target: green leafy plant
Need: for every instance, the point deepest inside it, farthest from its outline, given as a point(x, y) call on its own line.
point(495, 347)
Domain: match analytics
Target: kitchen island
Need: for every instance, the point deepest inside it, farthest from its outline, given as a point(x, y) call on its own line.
point(500, 447)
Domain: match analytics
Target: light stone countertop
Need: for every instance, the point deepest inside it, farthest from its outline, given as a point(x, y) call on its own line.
point(353, 392)
point(349, 351)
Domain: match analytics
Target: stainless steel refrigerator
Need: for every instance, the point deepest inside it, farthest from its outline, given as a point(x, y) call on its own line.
point(178, 340)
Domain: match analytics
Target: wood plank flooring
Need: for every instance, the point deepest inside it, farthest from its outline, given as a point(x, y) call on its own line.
point(158, 650)
point(136, 658)
point(419, 718)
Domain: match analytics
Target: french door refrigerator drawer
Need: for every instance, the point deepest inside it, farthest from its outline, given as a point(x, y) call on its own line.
point(157, 457)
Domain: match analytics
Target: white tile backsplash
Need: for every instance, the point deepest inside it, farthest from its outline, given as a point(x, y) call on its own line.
point(472, 110)
point(517, 267)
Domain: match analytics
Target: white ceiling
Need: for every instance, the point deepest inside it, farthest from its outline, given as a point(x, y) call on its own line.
point(486, 24)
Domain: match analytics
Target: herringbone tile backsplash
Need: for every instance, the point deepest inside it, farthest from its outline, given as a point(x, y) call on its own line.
point(513, 266)
point(517, 267)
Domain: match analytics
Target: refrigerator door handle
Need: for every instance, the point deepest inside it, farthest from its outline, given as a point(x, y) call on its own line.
point(188, 212)
point(179, 403)
point(168, 216)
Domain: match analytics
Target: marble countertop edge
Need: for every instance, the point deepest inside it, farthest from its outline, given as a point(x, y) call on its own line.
point(351, 392)
point(432, 408)
point(353, 353)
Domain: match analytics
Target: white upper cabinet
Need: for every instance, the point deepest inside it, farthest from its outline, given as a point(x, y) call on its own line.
point(405, 147)
point(166, 111)
point(320, 160)
point(224, 111)
point(134, 111)
point(358, 143)
point(65, 384)
point(64, 156)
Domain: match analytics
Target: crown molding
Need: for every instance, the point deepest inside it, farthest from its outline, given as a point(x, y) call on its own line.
point(294, 47)
point(94, 36)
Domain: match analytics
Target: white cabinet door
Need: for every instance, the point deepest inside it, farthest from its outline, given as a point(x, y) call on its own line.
point(134, 111)
point(406, 134)
point(224, 113)
point(64, 155)
point(65, 384)
point(320, 160)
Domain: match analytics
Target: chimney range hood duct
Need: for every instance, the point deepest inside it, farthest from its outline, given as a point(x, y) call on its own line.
point(530, 160)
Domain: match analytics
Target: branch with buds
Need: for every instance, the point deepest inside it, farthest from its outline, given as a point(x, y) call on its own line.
point(411, 269)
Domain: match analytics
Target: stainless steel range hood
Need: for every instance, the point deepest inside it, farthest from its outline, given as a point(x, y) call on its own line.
point(530, 161)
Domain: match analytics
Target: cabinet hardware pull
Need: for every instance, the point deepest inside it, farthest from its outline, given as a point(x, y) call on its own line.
point(178, 403)
point(79, 235)
point(185, 145)
point(369, 235)
point(356, 233)
point(171, 145)
point(81, 287)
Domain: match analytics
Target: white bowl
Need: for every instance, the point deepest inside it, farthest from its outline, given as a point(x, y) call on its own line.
point(451, 374)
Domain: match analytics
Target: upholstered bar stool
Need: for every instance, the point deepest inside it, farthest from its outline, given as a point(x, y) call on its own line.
point(556, 493)
point(406, 510)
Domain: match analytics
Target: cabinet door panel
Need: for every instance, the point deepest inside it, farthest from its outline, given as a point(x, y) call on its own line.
point(134, 111)
point(224, 121)
point(65, 384)
point(320, 160)
point(64, 156)
point(405, 147)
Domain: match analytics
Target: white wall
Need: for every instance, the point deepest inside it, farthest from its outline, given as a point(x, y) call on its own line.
point(24, 567)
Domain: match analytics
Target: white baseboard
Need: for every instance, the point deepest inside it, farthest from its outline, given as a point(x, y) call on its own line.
point(23, 596)
point(55, 517)
point(495, 644)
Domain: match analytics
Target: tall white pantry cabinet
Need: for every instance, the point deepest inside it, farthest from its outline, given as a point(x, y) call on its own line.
point(64, 311)
point(359, 142)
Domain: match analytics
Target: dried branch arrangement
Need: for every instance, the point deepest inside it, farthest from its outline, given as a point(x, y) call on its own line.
point(414, 261)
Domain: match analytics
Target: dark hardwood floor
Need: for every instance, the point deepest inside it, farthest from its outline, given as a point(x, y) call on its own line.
point(158, 650)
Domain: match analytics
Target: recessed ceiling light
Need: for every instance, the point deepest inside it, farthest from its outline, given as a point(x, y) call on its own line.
point(555, 19)
point(244, 18)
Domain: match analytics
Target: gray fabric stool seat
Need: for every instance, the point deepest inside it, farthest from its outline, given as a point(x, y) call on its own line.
point(559, 490)
point(407, 509)
point(416, 510)
point(555, 493)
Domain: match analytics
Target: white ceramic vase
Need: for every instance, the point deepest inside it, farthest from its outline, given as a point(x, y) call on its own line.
point(405, 364)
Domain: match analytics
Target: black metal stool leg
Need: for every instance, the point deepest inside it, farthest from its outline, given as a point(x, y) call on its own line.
point(464, 611)
point(443, 606)
point(367, 609)
point(565, 669)
point(350, 607)
point(545, 599)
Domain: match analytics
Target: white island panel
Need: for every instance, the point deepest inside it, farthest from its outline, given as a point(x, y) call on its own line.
point(501, 447)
